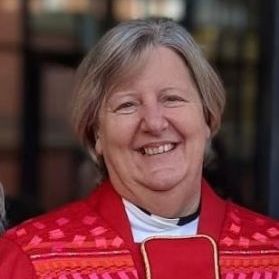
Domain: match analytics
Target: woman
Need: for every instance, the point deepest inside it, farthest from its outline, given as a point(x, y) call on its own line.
point(147, 106)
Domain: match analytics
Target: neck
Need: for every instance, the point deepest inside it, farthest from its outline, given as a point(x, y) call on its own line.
point(179, 201)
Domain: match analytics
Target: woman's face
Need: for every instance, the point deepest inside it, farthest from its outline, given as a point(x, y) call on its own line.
point(152, 131)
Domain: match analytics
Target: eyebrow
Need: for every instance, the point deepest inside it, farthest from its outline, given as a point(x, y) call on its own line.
point(121, 94)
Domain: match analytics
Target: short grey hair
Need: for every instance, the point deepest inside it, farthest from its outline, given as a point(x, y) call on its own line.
point(116, 58)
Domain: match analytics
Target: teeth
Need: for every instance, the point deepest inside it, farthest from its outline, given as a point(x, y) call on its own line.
point(158, 149)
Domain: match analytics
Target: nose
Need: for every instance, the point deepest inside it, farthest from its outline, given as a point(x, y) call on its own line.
point(153, 120)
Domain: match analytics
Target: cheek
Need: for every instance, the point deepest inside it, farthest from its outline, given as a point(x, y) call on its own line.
point(193, 124)
point(116, 133)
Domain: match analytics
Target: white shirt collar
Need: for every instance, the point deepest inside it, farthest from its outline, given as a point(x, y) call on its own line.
point(144, 225)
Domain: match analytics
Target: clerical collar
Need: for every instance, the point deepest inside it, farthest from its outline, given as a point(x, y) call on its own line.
point(144, 224)
point(179, 221)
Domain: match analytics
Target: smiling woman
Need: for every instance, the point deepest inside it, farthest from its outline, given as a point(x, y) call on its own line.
point(147, 105)
point(153, 113)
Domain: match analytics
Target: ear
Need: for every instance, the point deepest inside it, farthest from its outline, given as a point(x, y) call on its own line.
point(98, 145)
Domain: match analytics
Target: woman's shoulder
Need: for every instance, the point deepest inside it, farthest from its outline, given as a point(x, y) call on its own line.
point(73, 223)
point(63, 224)
point(248, 244)
point(63, 238)
point(244, 228)
point(38, 236)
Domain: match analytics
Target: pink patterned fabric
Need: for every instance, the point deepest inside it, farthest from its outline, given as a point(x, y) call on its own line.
point(91, 239)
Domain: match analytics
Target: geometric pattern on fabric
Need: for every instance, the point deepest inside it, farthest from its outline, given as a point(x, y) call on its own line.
point(76, 243)
point(84, 266)
point(70, 244)
point(249, 264)
point(244, 229)
point(249, 245)
point(254, 275)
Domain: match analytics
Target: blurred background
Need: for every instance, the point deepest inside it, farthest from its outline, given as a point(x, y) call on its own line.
point(41, 43)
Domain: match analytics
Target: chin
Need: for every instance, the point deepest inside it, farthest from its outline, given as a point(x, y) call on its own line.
point(163, 183)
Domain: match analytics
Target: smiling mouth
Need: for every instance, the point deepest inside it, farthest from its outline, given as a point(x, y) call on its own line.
point(155, 150)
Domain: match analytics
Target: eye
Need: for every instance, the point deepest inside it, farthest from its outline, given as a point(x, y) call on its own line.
point(173, 100)
point(126, 107)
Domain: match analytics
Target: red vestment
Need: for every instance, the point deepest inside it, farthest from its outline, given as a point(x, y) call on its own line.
point(92, 239)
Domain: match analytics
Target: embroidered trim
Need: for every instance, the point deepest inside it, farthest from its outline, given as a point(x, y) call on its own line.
point(249, 264)
point(81, 254)
point(56, 267)
point(250, 252)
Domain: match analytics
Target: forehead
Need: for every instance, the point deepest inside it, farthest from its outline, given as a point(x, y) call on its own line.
point(127, 69)
point(136, 64)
